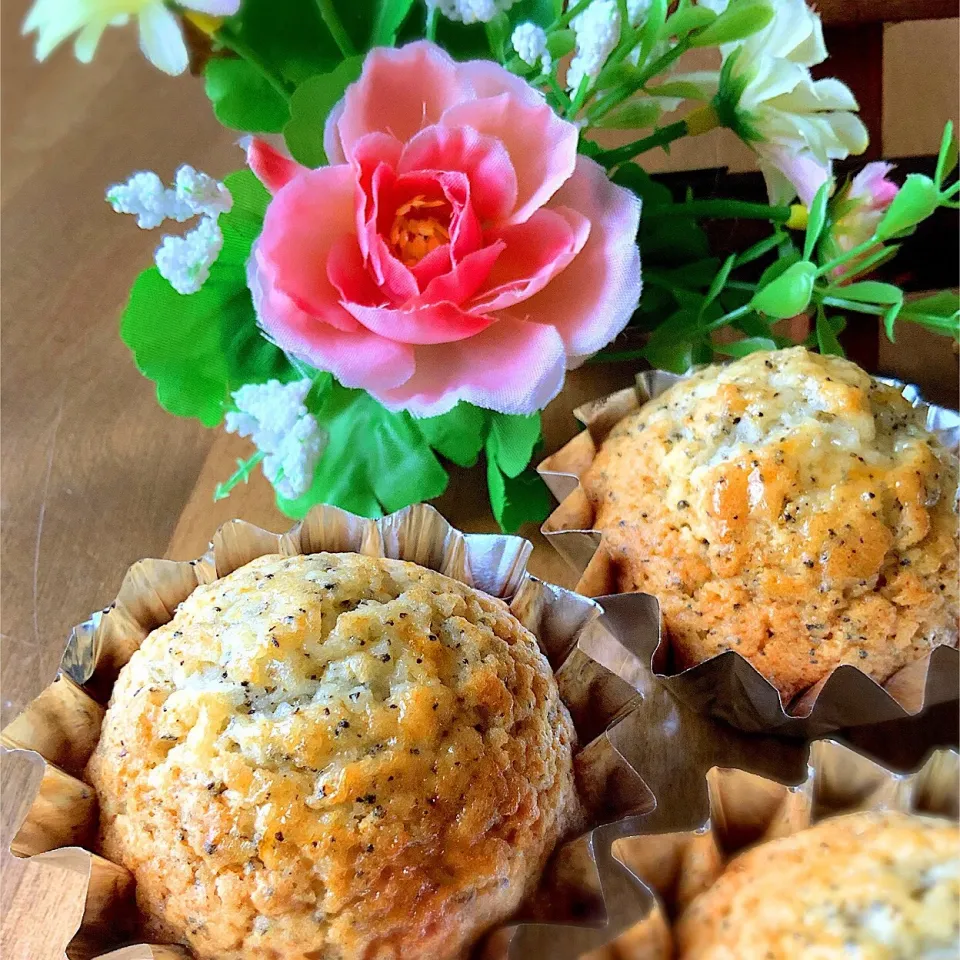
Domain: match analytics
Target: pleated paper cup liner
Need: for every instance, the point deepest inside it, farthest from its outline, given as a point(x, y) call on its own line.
point(681, 856)
point(586, 896)
point(727, 685)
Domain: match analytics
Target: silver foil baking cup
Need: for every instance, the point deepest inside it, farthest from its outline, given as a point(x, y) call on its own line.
point(586, 897)
point(727, 685)
point(686, 850)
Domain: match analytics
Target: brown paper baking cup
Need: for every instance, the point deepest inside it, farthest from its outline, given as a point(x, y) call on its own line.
point(727, 685)
point(583, 883)
point(676, 861)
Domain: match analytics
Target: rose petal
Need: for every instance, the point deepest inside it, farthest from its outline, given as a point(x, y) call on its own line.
point(489, 79)
point(347, 271)
point(399, 92)
point(433, 323)
point(541, 146)
point(356, 357)
point(302, 223)
point(273, 169)
point(393, 277)
point(536, 251)
point(595, 296)
point(513, 366)
point(484, 160)
point(464, 279)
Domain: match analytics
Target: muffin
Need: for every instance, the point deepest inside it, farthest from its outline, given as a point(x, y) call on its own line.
point(790, 508)
point(877, 886)
point(334, 756)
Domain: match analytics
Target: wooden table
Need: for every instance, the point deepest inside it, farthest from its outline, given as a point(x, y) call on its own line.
point(94, 474)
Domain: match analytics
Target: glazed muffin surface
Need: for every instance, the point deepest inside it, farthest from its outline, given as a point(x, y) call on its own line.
point(334, 756)
point(788, 507)
point(876, 886)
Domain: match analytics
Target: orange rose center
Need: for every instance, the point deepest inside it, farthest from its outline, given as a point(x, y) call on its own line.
point(417, 229)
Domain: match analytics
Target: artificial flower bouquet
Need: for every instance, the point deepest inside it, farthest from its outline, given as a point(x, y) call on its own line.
point(440, 214)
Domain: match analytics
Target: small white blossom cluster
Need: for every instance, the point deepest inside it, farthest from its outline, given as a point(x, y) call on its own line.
point(274, 416)
point(530, 43)
point(183, 261)
point(471, 11)
point(598, 32)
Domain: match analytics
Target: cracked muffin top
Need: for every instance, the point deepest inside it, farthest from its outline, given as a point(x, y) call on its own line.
point(878, 886)
point(334, 756)
point(789, 507)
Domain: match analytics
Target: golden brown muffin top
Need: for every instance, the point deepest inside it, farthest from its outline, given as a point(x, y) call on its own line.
point(875, 886)
point(334, 753)
point(789, 507)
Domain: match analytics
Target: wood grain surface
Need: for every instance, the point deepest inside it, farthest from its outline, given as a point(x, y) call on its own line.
point(94, 474)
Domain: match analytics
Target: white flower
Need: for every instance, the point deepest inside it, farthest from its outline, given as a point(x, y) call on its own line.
point(185, 261)
point(768, 97)
point(200, 193)
point(637, 11)
point(160, 38)
point(597, 31)
point(530, 42)
point(470, 11)
point(275, 417)
point(145, 196)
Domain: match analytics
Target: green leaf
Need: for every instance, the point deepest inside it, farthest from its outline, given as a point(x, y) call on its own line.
point(389, 18)
point(916, 200)
point(375, 460)
point(816, 218)
point(740, 348)
point(741, 19)
point(940, 313)
point(463, 41)
point(498, 36)
point(720, 280)
point(827, 336)
point(685, 89)
point(759, 249)
point(870, 291)
point(689, 18)
point(459, 434)
point(789, 294)
point(890, 318)
point(671, 345)
point(242, 98)
point(560, 43)
point(200, 347)
point(309, 107)
point(652, 28)
point(289, 38)
point(634, 115)
point(514, 439)
point(947, 157)
point(779, 266)
point(515, 500)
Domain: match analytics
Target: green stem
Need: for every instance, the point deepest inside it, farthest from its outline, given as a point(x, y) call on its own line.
point(726, 318)
point(340, 36)
point(559, 92)
point(729, 209)
point(844, 304)
point(241, 475)
point(579, 96)
point(431, 31)
point(228, 39)
point(574, 11)
point(851, 254)
point(659, 138)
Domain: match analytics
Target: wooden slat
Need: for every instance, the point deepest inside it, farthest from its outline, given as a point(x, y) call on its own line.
point(884, 11)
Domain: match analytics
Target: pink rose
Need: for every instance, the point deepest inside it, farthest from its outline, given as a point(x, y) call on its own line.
point(457, 247)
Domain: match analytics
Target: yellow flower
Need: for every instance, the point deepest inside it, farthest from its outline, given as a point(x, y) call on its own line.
point(161, 40)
